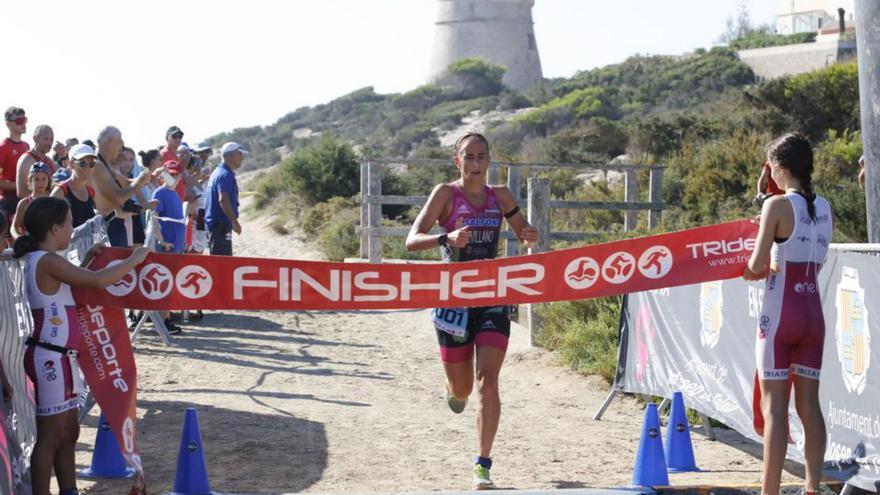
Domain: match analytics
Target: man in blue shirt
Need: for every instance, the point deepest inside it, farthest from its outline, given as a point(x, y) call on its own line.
point(221, 203)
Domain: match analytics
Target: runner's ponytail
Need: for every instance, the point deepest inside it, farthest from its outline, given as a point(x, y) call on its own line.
point(24, 245)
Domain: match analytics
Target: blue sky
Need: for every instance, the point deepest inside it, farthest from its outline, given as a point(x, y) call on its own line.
point(210, 66)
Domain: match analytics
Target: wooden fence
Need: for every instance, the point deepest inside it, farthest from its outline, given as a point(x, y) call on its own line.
point(538, 206)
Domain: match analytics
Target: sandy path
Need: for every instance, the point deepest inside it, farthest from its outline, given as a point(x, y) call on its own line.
point(345, 402)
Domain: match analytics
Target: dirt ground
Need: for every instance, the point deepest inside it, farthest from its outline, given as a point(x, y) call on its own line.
point(352, 402)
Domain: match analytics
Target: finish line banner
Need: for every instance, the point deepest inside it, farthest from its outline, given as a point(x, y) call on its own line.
point(177, 281)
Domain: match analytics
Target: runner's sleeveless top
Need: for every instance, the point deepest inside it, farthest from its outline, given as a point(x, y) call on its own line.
point(484, 223)
point(791, 328)
point(55, 319)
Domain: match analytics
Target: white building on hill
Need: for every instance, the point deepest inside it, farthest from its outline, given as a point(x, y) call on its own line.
point(810, 16)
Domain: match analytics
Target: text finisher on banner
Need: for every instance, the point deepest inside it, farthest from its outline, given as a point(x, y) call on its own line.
point(178, 281)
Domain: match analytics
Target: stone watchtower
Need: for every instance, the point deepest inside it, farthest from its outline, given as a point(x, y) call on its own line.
point(500, 31)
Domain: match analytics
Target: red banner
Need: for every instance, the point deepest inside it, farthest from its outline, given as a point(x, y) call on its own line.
point(107, 361)
point(175, 281)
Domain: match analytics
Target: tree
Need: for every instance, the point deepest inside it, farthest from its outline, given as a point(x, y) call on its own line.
point(322, 171)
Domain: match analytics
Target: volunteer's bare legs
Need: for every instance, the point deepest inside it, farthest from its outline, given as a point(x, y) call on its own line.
point(806, 401)
point(55, 447)
point(774, 404)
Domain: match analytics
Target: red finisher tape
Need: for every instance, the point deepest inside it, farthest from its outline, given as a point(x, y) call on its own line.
point(176, 281)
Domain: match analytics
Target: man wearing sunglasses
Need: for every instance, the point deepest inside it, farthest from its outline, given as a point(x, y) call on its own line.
point(11, 149)
point(44, 136)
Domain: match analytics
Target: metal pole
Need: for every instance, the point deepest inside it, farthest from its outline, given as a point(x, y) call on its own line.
point(365, 239)
point(655, 195)
point(513, 183)
point(868, 40)
point(374, 220)
point(631, 195)
point(539, 217)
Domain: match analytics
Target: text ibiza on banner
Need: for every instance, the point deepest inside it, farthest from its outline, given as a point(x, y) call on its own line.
point(174, 281)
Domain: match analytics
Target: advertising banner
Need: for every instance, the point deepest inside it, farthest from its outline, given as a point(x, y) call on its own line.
point(700, 340)
point(177, 281)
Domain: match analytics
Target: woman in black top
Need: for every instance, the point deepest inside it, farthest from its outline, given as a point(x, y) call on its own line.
point(76, 190)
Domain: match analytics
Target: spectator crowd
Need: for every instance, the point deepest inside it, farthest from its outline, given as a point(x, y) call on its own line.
point(170, 199)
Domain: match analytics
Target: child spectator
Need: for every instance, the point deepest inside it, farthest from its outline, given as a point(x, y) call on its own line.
point(48, 360)
point(172, 222)
point(38, 183)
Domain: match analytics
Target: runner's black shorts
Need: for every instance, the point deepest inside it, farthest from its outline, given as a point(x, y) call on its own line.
point(487, 326)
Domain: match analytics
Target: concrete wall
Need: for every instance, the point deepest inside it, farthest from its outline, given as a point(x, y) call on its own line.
point(778, 61)
point(500, 31)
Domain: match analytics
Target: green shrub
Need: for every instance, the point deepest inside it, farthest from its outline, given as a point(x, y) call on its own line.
point(322, 171)
point(337, 238)
point(762, 39)
point(584, 333)
point(473, 78)
point(319, 215)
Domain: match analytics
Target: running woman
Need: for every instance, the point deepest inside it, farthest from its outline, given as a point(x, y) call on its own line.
point(470, 213)
point(791, 330)
point(50, 359)
point(38, 183)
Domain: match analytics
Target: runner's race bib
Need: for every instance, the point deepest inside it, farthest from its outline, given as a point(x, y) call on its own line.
point(451, 320)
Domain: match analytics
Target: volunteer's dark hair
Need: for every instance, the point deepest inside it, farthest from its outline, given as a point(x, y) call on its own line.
point(42, 214)
point(794, 152)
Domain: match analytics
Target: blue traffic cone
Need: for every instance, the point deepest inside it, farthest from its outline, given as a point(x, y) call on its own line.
point(650, 467)
point(107, 460)
point(191, 477)
point(679, 449)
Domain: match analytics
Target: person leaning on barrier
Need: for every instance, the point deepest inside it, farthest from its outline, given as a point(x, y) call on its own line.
point(44, 136)
point(221, 203)
point(11, 149)
point(113, 191)
point(76, 190)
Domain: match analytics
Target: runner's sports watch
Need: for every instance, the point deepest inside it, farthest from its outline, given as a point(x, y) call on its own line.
point(443, 240)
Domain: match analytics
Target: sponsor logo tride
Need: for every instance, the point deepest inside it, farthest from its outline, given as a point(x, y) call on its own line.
point(709, 249)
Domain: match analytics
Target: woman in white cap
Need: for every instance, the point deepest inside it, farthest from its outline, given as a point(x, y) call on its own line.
point(77, 190)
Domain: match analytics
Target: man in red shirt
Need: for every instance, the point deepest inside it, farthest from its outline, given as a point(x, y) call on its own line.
point(171, 151)
point(11, 150)
point(43, 139)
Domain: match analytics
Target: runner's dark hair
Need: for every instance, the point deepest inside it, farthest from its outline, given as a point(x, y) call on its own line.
point(468, 135)
point(794, 153)
point(42, 214)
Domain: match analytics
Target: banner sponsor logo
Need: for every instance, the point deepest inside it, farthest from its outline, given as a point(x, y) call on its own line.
point(125, 285)
point(655, 262)
point(582, 273)
point(722, 247)
point(711, 306)
point(194, 282)
point(852, 333)
point(619, 267)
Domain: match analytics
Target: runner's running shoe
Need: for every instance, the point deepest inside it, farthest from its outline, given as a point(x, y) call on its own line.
point(481, 478)
point(457, 405)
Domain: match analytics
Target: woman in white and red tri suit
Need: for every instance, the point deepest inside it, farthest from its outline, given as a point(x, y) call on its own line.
point(50, 360)
point(796, 227)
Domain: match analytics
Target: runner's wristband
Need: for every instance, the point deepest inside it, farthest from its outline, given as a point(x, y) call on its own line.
point(511, 213)
point(443, 240)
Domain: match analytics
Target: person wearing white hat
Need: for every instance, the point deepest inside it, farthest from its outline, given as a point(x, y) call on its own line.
point(221, 203)
point(76, 189)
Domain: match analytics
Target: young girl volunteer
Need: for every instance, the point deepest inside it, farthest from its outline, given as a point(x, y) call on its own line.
point(796, 226)
point(50, 359)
